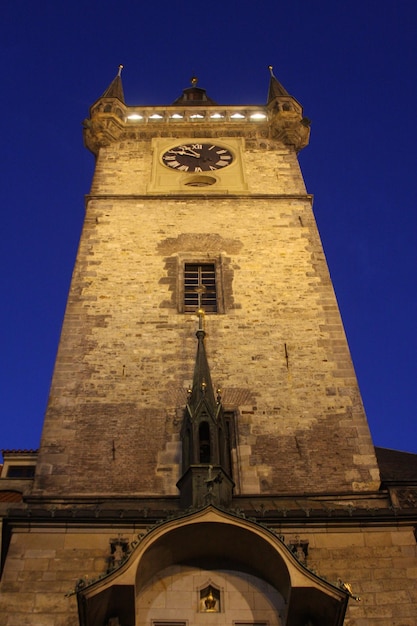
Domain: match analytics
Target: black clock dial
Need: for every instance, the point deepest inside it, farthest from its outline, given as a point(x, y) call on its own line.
point(197, 157)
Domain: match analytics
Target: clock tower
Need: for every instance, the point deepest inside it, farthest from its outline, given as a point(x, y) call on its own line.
point(198, 217)
point(205, 443)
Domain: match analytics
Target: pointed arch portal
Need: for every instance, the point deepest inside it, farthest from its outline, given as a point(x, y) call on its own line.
point(211, 547)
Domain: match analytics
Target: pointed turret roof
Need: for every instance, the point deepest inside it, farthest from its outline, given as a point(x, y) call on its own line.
point(202, 389)
point(275, 88)
point(115, 89)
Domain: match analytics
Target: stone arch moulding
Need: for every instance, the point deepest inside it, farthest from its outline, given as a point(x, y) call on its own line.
point(223, 541)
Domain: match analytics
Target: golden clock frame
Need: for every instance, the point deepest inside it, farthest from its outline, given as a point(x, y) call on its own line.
point(230, 179)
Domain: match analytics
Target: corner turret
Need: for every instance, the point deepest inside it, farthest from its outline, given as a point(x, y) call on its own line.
point(286, 115)
point(107, 114)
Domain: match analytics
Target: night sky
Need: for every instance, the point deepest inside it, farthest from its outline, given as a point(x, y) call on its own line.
point(352, 65)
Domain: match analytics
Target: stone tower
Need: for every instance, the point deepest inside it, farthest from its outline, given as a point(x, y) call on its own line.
point(205, 427)
point(187, 198)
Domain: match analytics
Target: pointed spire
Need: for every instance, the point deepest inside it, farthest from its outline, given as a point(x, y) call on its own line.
point(115, 89)
point(206, 455)
point(275, 88)
point(202, 389)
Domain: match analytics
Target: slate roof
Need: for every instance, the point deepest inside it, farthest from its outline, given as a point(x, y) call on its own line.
point(115, 89)
point(396, 466)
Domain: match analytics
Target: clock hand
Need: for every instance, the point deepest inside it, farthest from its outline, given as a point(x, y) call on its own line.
point(189, 152)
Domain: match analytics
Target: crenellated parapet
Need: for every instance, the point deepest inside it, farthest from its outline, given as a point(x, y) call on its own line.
point(113, 122)
point(195, 115)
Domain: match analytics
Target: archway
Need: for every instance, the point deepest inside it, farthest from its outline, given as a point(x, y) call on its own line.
point(163, 576)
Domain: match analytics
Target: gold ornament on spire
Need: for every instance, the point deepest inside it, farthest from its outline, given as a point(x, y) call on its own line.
point(200, 314)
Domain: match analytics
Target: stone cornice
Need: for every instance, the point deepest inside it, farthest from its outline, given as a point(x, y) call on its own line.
point(199, 196)
point(110, 120)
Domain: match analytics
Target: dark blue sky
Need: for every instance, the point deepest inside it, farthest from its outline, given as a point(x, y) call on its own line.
point(352, 65)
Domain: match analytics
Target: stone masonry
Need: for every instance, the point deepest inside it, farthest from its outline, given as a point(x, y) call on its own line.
point(278, 351)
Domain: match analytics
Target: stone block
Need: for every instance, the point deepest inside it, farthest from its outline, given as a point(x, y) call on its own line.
point(16, 602)
point(51, 603)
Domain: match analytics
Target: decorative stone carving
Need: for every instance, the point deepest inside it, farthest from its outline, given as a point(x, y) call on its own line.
point(118, 552)
point(407, 498)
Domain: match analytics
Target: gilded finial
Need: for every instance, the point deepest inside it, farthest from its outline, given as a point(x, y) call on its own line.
point(119, 73)
point(200, 314)
point(194, 81)
point(271, 69)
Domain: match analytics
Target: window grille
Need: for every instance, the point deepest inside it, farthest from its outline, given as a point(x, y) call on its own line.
point(200, 288)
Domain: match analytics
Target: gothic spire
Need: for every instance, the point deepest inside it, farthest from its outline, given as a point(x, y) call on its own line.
point(206, 457)
point(115, 89)
point(202, 388)
point(275, 88)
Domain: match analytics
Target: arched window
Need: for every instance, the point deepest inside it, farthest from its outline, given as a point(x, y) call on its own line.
point(204, 442)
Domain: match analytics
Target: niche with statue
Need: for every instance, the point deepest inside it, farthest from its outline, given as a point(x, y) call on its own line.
point(209, 599)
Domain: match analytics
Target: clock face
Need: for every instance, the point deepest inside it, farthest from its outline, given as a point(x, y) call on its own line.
point(197, 157)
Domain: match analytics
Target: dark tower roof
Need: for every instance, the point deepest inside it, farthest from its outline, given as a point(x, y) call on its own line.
point(115, 89)
point(275, 88)
point(194, 96)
